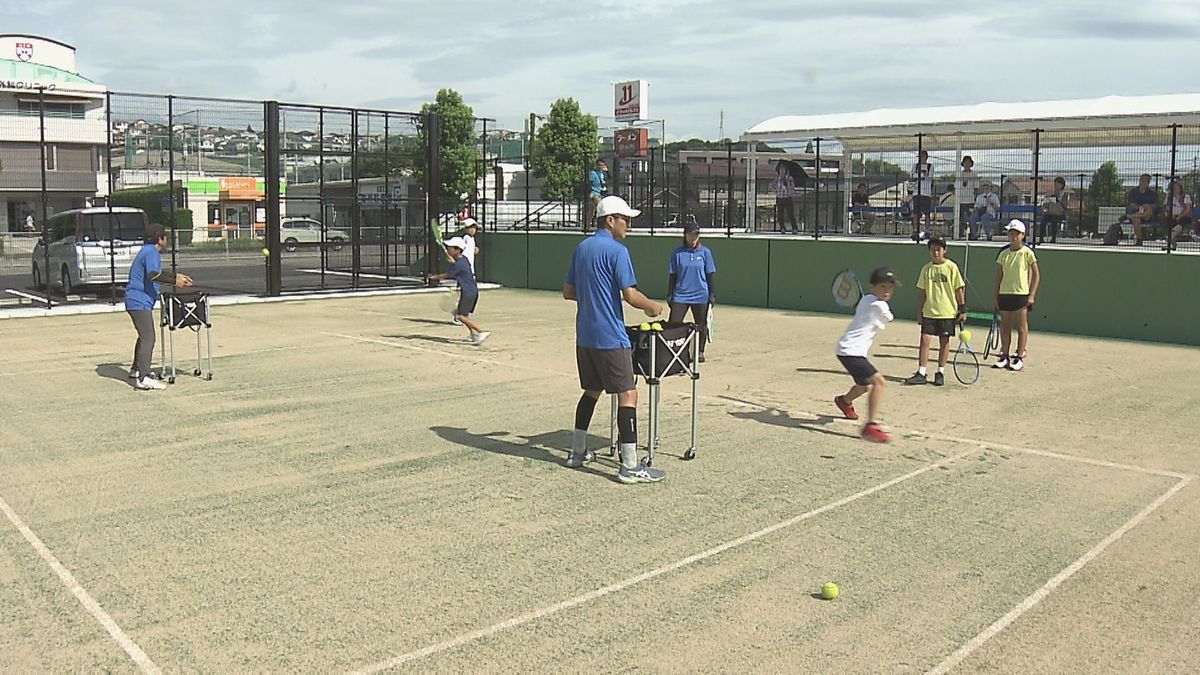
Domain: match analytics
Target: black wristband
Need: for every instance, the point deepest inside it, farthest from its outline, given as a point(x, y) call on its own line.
point(962, 309)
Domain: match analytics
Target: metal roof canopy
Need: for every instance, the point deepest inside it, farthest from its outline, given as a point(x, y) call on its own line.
point(1098, 122)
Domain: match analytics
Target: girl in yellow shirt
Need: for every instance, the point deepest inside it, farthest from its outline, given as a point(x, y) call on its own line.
point(1017, 279)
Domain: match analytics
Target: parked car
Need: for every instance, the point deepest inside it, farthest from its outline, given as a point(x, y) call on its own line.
point(92, 246)
point(294, 232)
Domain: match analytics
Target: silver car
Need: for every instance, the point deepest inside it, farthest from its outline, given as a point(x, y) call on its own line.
point(87, 247)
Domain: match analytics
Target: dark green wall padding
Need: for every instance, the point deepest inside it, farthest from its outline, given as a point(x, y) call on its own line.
point(1130, 295)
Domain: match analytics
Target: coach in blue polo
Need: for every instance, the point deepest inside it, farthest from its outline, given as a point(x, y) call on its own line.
point(600, 276)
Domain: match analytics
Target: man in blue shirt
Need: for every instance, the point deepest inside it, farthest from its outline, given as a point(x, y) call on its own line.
point(692, 284)
point(597, 189)
point(141, 292)
point(600, 276)
point(468, 291)
point(1143, 206)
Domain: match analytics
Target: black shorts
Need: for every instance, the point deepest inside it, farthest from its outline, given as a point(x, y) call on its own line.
point(922, 204)
point(1012, 303)
point(938, 327)
point(607, 369)
point(859, 368)
point(466, 305)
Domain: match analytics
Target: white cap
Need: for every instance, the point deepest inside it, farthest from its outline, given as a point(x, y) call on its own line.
point(615, 206)
point(467, 222)
point(457, 242)
point(1017, 225)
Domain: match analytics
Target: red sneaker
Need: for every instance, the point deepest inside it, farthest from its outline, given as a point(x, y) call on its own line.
point(873, 433)
point(846, 408)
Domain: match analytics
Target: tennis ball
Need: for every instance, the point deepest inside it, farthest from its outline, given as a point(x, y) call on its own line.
point(656, 327)
point(644, 327)
point(965, 334)
point(829, 591)
point(266, 252)
point(649, 313)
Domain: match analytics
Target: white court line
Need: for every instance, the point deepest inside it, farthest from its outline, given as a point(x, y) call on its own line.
point(23, 294)
point(1025, 605)
point(646, 576)
point(131, 648)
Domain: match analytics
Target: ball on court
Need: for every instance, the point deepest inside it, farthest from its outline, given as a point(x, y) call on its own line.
point(266, 252)
point(965, 335)
point(644, 327)
point(829, 591)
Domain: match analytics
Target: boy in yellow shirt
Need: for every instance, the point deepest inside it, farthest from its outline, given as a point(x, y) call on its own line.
point(1017, 281)
point(941, 305)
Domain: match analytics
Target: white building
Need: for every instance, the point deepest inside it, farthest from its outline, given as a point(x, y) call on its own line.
point(38, 80)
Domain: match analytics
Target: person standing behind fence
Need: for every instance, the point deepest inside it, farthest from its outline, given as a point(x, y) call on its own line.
point(597, 189)
point(141, 292)
point(599, 277)
point(968, 182)
point(785, 193)
point(692, 282)
point(922, 201)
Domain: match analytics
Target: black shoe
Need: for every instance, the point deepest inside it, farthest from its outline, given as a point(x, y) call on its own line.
point(701, 358)
point(917, 378)
point(939, 379)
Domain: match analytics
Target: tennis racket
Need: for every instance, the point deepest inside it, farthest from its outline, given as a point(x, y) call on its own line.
point(449, 301)
point(436, 227)
point(992, 345)
point(966, 363)
point(709, 326)
point(847, 291)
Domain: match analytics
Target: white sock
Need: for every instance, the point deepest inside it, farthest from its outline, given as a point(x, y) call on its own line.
point(629, 458)
point(578, 441)
point(942, 370)
point(922, 370)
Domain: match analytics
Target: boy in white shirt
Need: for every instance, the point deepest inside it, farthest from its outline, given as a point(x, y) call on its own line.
point(870, 316)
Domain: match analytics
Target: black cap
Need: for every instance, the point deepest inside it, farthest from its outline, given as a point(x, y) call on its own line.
point(691, 227)
point(884, 275)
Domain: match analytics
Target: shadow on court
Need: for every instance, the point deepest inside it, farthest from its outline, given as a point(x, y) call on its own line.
point(782, 418)
point(890, 378)
point(429, 338)
point(115, 371)
point(430, 322)
point(494, 442)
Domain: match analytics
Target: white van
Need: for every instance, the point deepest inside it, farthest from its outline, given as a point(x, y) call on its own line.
point(92, 246)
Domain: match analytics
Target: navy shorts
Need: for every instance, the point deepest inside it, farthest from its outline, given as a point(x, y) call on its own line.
point(1012, 303)
point(859, 368)
point(938, 327)
point(922, 204)
point(466, 305)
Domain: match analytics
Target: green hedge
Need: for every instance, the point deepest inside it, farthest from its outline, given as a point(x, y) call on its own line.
point(150, 199)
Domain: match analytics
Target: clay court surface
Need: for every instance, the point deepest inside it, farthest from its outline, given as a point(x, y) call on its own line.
point(357, 489)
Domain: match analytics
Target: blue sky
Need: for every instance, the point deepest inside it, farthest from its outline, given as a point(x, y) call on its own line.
point(753, 60)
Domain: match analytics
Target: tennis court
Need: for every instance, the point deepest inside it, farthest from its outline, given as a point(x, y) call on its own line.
point(360, 490)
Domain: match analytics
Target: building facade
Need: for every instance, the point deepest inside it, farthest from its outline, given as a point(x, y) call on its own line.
point(39, 85)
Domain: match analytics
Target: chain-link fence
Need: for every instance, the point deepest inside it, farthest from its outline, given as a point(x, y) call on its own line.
point(257, 197)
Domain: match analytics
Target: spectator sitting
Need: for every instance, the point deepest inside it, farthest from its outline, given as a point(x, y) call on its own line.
point(861, 202)
point(1142, 206)
point(1183, 225)
point(1054, 211)
point(986, 211)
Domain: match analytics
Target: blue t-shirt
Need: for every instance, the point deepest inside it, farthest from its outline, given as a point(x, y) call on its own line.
point(137, 296)
point(600, 269)
point(691, 268)
point(461, 272)
point(596, 178)
point(1139, 198)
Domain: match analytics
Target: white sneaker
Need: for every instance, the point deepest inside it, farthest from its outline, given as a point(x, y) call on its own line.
point(1016, 364)
point(148, 384)
point(1001, 362)
point(454, 319)
point(479, 337)
point(133, 374)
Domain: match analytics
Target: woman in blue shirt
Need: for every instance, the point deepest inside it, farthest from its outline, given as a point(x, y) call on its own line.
point(692, 283)
point(141, 292)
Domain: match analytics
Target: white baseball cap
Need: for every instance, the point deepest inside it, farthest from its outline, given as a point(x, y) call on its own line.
point(1017, 225)
point(457, 242)
point(615, 206)
point(467, 222)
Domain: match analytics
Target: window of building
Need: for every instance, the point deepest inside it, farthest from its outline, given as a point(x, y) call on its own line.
point(53, 109)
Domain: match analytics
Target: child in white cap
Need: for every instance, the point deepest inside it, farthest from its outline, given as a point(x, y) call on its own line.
point(468, 296)
point(1017, 279)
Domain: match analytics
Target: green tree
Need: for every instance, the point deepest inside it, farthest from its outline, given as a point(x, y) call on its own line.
point(1106, 189)
point(877, 167)
point(457, 148)
point(404, 154)
point(565, 147)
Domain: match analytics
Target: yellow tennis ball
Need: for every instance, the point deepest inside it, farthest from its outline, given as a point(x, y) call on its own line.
point(266, 252)
point(656, 327)
point(644, 327)
point(829, 591)
point(965, 334)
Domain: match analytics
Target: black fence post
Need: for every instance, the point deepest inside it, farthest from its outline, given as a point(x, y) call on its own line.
point(112, 300)
point(356, 211)
point(170, 181)
point(325, 224)
point(1039, 224)
point(1170, 209)
point(729, 189)
point(817, 193)
point(653, 211)
point(45, 196)
point(433, 183)
point(1079, 225)
point(271, 186)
